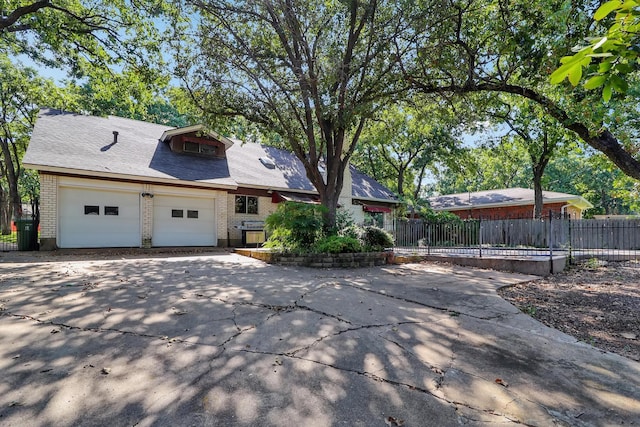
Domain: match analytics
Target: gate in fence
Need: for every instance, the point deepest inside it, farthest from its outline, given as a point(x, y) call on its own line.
point(613, 240)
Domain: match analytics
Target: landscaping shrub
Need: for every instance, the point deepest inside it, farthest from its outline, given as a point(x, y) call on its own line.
point(376, 239)
point(371, 238)
point(294, 226)
point(338, 245)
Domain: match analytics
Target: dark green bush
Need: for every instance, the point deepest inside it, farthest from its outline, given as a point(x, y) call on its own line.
point(338, 245)
point(371, 238)
point(376, 239)
point(294, 226)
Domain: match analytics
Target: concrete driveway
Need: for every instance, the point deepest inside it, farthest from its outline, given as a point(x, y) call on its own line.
point(224, 340)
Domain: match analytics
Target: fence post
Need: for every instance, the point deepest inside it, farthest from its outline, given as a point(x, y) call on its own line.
point(480, 236)
point(570, 242)
point(550, 242)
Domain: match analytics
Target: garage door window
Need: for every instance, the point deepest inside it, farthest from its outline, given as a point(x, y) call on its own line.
point(91, 210)
point(177, 213)
point(246, 205)
point(192, 214)
point(111, 210)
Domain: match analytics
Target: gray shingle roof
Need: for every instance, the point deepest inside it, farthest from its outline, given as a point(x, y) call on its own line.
point(502, 197)
point(80, 144)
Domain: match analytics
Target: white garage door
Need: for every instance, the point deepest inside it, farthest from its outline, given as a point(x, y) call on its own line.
point(183, 221)
point(98, 218)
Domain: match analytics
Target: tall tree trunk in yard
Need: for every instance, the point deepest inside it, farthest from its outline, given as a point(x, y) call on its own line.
point(539, 164)
point(5, 213)
point(12, 178)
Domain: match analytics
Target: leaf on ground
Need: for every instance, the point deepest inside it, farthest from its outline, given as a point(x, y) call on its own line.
point(105, 371)
point(502, 382)
point(55, 331)
point(437, 370)
point(393, 421)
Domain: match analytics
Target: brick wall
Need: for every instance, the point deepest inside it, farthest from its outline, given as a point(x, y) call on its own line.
point(513, 212)
point(265, 208)
point(48, 209)
point(146, 207)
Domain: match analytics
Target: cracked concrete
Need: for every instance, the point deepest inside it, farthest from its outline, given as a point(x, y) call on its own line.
point(217, 339)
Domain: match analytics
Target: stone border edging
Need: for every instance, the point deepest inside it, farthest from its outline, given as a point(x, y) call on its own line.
point(346, 260)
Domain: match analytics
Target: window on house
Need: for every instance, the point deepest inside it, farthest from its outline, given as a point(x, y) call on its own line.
point(191, 147)
point(207, 149)
point(177, 213)
point(194, 147)
point(374, 218)
point(111, 210)
point(192, 214)
point(91, 210)
point(247, 205)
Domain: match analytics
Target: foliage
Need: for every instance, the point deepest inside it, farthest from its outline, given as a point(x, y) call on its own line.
point(491, 46)
point(336, 244)
point(433, 217)
point(310, 72)
point(294, 226)
point(403, 142)
point(21, 93)
point(371, 238)
point(91, 38)
point(374, 238)
point(606, 60)
point(344, 219)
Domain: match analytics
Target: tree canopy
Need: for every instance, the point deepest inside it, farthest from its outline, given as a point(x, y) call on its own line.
point(311, 72)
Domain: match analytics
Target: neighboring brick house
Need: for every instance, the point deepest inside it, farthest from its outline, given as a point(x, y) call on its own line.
point(510, 203)
point(115, 182)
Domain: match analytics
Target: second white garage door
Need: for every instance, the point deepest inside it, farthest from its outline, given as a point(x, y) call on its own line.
point(183, 221)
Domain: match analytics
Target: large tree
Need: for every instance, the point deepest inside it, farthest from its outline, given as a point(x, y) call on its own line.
point(311, 72)
point(87, 37)
point(404, 141)
point(21, 93)
point(512, 47)
point(534, 133)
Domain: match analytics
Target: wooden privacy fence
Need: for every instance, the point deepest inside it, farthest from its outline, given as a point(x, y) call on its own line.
point(623, 234)
point(503, 236)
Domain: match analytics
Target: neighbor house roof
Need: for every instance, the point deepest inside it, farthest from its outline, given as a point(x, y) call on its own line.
point(502, 198)
point(84, 145)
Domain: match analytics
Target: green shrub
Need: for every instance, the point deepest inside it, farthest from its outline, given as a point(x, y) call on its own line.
point(433, 217)
point(376, 239)
point(294, 226)
point(352, 230)
point(338, 245)
point(371, 238)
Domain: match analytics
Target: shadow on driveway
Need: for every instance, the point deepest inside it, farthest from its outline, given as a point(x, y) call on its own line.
point(219, 339)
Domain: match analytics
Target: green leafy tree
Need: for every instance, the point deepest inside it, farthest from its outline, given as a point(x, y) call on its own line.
point(310, 72)
point(403, 142)
point(534, 133)
point(512, 47)
point(606, 60)
point(21, 93)
point(90, 37)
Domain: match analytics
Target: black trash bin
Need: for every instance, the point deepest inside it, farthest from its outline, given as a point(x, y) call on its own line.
point(27, 234)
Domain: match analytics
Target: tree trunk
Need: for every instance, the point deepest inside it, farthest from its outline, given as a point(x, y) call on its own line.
point(12, 179)
point(5, 213)
point(537, 193)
